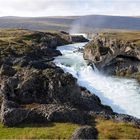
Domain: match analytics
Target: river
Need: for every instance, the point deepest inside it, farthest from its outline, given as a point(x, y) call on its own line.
point(122, 94)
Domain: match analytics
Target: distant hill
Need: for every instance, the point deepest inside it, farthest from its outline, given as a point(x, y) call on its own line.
point(72, 23)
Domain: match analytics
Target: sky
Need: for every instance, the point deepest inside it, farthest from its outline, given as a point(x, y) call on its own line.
point(37, 8)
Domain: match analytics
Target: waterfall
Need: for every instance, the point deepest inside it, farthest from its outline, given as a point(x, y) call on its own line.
point(122, 94)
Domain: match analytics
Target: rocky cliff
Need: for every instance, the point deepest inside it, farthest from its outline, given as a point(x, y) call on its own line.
point(34, 90)
point(115, 53)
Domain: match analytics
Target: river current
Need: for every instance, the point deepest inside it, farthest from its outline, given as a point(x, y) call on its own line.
point(122, 94)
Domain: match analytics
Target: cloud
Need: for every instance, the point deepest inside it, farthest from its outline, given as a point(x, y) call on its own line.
point(68, 7)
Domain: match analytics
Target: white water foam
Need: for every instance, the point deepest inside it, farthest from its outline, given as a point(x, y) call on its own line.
point(123, 95)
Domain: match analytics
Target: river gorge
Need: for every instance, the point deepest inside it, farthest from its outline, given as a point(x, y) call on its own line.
point(122, 94)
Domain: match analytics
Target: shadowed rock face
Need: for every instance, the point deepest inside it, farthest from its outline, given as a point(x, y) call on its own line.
point(57, 94)
point(113, 55)
point(13, 114)
point(78, 38)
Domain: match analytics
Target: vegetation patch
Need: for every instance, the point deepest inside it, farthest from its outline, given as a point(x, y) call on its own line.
point(128, 36)
point(109, 129)
point(38, 131)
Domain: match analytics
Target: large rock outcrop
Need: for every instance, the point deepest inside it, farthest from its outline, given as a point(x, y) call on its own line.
point(114, 53)
point(56, 92)
point(34, 89)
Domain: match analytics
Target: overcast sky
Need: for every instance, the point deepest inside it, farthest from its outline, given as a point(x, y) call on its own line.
point(35, 8)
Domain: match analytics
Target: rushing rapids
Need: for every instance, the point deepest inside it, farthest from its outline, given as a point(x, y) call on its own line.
point(122, 94)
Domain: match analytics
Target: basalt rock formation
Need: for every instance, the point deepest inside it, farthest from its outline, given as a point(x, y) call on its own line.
point(115, 53)
point(33, 88)
point(56, 94)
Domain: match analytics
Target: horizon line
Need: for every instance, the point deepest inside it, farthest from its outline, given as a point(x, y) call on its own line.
point(70, 16)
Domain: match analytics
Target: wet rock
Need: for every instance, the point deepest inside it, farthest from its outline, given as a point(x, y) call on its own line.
point(79, 50)
point(85, 132)
point(89, 101)
point(78, 38)
point(50, 52)
point(122, 67)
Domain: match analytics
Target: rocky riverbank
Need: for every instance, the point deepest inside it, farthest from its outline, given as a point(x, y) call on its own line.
point(115, 53)
point(34, 90)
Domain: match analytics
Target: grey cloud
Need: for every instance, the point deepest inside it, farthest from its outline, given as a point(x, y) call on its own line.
point(68, 7)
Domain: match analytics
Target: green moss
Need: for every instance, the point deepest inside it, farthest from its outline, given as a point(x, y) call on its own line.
point(38, 131)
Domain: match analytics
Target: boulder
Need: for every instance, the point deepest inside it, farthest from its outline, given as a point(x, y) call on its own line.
point(64, 113)
point(12, 114)
point(8, 87)
point(85, 132)
point(90, 102)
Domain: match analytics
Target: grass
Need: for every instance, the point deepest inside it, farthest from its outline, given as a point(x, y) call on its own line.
point(108, 129)
point(131, 36)
point(36, 131)
point(18, 42)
